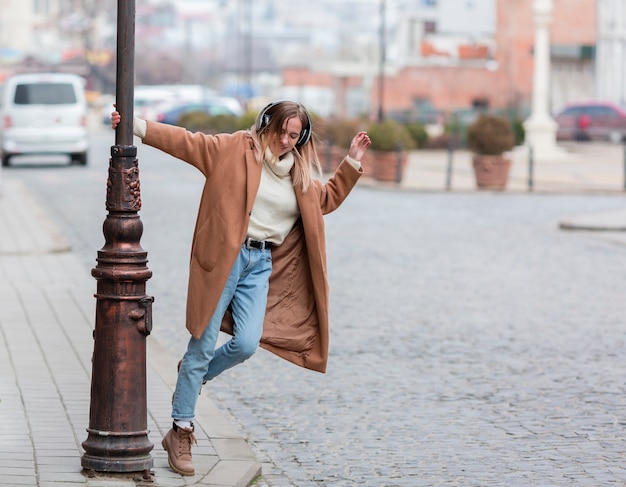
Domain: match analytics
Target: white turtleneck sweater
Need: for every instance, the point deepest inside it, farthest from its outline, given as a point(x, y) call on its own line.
point(275, 209)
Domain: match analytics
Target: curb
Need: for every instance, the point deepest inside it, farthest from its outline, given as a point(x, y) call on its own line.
point(604, 221)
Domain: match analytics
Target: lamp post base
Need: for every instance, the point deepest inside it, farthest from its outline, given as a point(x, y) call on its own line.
point(116, 464)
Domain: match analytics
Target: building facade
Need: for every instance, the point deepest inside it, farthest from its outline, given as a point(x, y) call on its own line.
point(443, 67)
point(44, 34)
point(27, 27)
point(412, 58)
point(610, 72)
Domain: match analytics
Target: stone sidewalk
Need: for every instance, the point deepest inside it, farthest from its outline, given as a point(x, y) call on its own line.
point(581, 168)
point(47, 315)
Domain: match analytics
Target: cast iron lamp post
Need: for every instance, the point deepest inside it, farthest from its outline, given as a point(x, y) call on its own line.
point(118, 432)
point(381, 69)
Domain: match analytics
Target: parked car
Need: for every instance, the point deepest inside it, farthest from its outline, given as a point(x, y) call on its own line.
point(594, 120)
point(149, 99)
point(44, 113)
point(214, 106)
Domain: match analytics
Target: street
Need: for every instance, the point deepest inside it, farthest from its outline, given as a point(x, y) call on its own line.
point(473, 343)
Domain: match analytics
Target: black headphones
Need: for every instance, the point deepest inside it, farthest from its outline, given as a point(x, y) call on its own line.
point(264, 119)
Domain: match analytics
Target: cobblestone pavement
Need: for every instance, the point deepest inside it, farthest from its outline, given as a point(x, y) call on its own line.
point(473, 342)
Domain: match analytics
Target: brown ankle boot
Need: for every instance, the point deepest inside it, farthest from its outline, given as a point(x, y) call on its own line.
point(177, 443)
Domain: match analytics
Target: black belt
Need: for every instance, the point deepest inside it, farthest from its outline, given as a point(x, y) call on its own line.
point(250, 243)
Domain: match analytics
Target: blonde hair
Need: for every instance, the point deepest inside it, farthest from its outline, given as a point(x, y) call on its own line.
point(305, 156)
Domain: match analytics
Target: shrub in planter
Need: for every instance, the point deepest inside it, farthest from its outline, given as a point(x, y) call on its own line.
point(247, 120)
point(418, 133)
point(335, 137)
point(337, 132)
point(489, 137)
point(202, 122)
point(390, 143)
point(518, 131)
point(389, 135)
point(194, 121)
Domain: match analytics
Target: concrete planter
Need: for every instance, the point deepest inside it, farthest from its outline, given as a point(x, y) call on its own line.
point(491, 172)
point(388, 166)
point(331, 156)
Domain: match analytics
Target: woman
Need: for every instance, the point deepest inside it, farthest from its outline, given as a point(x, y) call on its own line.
point(260, 214)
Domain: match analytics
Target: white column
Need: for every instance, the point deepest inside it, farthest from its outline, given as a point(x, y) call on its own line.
point(540, 127)
point(610, 50)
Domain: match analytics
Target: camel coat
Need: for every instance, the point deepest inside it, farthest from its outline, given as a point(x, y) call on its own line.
point(296, 320)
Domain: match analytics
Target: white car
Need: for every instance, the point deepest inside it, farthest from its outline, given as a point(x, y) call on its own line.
point(44, 113)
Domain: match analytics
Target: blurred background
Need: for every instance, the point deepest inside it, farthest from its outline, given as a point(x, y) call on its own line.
point(433, 62)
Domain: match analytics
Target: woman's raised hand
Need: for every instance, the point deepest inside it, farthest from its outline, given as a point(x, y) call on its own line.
point(359, 145)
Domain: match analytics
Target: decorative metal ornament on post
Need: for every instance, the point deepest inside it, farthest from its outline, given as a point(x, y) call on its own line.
point(118, 427)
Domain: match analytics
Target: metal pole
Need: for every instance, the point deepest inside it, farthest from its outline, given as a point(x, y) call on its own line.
point(399, 156)
point(454, 140)
point(118, 433)
point(329, 154)
point(624, 165)
point(125, 74)
point(383, 55)
point(531, 167)
point(449, 168)
point(248, 50)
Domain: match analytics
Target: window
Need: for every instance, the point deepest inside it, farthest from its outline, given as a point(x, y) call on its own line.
point(607, 112)
point(430, 27)
point(480, 103)
point(45, 94)
point(574, 111)
point(41, 7)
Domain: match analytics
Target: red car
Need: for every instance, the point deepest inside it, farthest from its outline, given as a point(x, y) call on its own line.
point(595, 120)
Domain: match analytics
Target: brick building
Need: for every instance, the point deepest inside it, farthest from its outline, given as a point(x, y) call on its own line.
point(494, 71)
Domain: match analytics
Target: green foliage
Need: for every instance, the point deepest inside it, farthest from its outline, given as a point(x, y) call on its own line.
point(418, 133)
point(389, 135)
point(338, 132)
point(518, 131)
point(224, 123)
point(247, 120)
point(490, 135)
point(202, 122)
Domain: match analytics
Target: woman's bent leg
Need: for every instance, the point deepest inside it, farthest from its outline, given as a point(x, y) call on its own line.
point(195, 363)
point(248, 310)
point(200, 353)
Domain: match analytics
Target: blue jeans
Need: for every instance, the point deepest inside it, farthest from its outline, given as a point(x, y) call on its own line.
point(246, 293)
